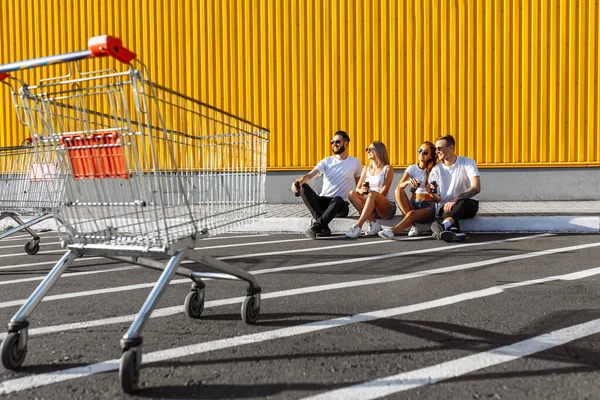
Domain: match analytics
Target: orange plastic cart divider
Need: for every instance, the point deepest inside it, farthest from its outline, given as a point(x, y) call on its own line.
point(97, 156)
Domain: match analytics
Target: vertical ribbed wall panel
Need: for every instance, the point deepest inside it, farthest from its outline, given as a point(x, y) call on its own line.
point(515, 81)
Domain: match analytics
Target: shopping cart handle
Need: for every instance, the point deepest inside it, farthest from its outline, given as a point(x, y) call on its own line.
point(99, 46)
point(3, 76)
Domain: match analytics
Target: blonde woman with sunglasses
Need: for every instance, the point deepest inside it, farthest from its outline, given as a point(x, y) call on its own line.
point(372, 197)
point(421, 206)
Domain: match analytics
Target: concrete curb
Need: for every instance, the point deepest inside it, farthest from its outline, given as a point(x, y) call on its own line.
point(554, 224)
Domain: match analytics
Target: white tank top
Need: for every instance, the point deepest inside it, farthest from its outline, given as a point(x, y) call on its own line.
point(376, 183)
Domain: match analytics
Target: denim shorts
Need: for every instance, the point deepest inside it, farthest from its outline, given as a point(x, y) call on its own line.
point(391, 214)
point(419, 205)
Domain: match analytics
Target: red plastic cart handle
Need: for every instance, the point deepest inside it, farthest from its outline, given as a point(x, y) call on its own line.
point(99, 46)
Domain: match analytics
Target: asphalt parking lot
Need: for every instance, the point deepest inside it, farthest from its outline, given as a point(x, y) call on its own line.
point(499, 316)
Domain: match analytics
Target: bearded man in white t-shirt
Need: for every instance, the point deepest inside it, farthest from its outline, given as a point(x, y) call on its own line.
point(458, 185)
point(340, 175)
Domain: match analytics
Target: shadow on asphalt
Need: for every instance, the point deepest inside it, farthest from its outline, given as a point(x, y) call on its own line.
point(208, 391)
point(277, 319)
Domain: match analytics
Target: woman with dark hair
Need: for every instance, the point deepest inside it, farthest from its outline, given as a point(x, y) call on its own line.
point(372, 197)
point(421, 206)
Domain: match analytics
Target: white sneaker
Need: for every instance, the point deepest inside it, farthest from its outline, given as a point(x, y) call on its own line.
point(386, 234)
point(354, 232)
point(414, 231)
point(374, 228)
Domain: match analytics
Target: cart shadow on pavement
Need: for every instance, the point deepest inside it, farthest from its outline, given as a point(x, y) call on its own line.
point(200, 390)
point(450, 336)
point(277, 319)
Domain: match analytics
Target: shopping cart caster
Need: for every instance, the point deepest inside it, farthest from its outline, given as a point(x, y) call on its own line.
point(32, 247)
point(14, 350)
point(129, 369)
point(251, 309)
point(194, 303)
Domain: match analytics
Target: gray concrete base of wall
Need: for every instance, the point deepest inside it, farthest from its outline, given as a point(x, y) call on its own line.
point(498, 184)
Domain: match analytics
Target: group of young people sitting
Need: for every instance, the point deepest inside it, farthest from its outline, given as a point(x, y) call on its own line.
point(443, 190)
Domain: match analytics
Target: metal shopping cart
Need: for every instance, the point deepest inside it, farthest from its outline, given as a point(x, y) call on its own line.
point(148, 173)
point(29, 186)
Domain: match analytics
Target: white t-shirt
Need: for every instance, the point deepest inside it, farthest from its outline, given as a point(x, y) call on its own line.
point(454, 180)
point(339, 176)
point(376, 183)
point(417, 173)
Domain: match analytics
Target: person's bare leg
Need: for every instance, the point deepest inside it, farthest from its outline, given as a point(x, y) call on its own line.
point(403, 201)
point(357, 200)
point(367, 211)
point(422, 215)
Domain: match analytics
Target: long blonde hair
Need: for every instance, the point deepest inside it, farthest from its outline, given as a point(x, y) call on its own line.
point(380, 152)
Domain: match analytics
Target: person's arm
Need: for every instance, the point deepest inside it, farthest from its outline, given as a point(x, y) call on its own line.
point(388, 179)
point(472, 191)
point(467, 194)
point(305, 179)
point(404, 181)
point(358, 171)
point(361, 180)
point(429, 187)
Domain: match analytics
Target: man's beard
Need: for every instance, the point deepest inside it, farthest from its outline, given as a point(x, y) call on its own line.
point(340, 150)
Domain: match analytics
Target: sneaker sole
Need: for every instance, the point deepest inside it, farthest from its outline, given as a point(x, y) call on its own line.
point(448, 237)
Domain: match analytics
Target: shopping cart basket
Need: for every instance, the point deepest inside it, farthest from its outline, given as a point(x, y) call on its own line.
point(29, 186)
point(148, 173)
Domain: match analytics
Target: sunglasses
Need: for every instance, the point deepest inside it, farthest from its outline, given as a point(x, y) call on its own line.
point(335, 142)
point(425, 152)
point(440, 148)
point(369, 149)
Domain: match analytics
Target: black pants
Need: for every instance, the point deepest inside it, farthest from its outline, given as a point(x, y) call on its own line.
point(324, 209)
point(465, 208)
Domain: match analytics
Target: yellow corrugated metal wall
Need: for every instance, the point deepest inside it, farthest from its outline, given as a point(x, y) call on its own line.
point(515, 81)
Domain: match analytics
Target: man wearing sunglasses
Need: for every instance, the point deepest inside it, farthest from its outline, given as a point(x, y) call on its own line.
point(340, 175)
point(458, 185)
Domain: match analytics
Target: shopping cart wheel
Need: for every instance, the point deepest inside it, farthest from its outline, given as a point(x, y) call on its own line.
point(194, 303)
point(129, 370)
point(12, 355)
point(32, 248)
point(250, 313)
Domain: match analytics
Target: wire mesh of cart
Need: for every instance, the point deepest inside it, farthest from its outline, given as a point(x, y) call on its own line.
point(148, 173)
point(30, 185)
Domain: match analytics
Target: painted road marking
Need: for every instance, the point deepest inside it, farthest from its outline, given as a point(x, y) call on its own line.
point(223, 246)
point(228, 245)
point(14, 303)
point(70, 274)
point(167, 311)
point(39, 254)
point(451, 369)
point(558, 337)
point(20, 246)
point(234, 237)
point(39, 264)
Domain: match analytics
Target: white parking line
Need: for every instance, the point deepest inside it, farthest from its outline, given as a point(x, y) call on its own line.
point(126, 288)
point(39, 264)
point(339, 246)
point(39, 254)
point(20, 246)
point(502, 354)
point(167, 311)
point(70, 274)
point(235, 237)
point(223, 246)
point(28, 236)
point(451, 369)
point(211, 247)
